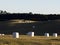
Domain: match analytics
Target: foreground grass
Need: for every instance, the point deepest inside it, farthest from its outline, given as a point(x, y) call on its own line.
point(27, 40)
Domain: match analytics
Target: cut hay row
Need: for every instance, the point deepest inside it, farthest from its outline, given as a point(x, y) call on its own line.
point(28, 40)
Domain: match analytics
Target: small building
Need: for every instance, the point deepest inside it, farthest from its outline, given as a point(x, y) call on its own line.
point(46, 34)
point(54, 34)
point(30, 34)
point(15, 35)
point(2, 34)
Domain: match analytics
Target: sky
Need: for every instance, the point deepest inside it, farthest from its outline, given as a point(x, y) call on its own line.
point(34, 6)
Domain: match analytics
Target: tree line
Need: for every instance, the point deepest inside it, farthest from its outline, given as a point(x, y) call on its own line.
point(4, 15)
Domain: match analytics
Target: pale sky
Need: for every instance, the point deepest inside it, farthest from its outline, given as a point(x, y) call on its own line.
point(34, 6)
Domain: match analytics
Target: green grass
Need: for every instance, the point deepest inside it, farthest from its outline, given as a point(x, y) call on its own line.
point(27, 40)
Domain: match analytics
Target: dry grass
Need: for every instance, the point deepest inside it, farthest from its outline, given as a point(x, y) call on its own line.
point(27, 40)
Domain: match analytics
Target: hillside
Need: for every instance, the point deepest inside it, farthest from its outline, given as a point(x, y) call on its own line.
point(24, 26)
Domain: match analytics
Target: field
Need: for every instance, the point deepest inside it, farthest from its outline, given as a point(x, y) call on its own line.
point(27, 40)
point(8, 27)
point(24, 26)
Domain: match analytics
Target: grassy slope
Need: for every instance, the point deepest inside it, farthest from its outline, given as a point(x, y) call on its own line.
point(27, 40)
point(23, 28)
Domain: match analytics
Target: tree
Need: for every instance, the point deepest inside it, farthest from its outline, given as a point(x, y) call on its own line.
point(1, 11)
point(30, 13)
point(4, 12)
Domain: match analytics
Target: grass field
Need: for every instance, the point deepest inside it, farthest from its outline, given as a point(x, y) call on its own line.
point(27, 40)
